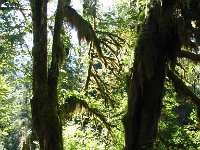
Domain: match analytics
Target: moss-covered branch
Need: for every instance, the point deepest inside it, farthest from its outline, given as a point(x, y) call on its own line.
point(73, 103)
point(84, 29)
point(57, 52)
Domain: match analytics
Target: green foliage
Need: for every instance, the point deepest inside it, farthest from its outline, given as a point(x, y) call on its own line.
point(102, 105)
point(83, 132)
point(93, 112)
point(177, 128)
point(77, 138)
point(4, 107)
point(15, 76)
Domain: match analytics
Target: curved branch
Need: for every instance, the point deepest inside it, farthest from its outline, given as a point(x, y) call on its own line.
point(179, 84)
point(189, 55)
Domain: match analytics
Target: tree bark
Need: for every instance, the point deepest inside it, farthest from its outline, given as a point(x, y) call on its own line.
point(158, 41)
point(39, 52)
point(45, 117)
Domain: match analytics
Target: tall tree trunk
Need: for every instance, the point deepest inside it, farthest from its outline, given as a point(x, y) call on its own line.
point(158, 41)
point(45, 117)
point(39, 52)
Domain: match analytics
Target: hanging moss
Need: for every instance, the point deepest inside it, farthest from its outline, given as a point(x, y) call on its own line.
point(158, 42)
point(84, 29)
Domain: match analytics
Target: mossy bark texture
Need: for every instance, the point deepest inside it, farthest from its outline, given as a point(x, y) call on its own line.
point(46, 121)
point(158, 42)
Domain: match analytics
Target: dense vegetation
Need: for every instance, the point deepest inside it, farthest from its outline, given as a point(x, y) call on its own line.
point(131, 81)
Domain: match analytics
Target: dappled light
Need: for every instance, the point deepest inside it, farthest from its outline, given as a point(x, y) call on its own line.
point(99, 75)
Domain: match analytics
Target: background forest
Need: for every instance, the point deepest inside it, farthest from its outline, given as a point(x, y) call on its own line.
point(94, 59)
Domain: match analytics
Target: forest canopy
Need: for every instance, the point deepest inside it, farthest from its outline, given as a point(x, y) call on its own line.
point(89, 75)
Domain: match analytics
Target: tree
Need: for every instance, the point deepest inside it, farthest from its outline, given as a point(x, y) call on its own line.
point(158, 43)
point(66, 94)
point(44, 104)
point(45, 117)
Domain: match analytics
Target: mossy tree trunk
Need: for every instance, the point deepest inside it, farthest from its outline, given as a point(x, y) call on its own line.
point(46, 121)
point(158, 41)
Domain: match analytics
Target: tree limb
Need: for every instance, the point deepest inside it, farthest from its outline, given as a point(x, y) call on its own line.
point(189, 55)
point(74, 102)
point(179, 84)
point(111, 35)
point(57, 52)
point(89, 68)
point(84, 29)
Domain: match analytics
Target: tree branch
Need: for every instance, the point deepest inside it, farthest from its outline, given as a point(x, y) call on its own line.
point(103, 89)
point(179, 84)
point(84, 29)
point(111, 35)
point(189, 55)
point(57, 52)
point(74, 102)
point(89, 68)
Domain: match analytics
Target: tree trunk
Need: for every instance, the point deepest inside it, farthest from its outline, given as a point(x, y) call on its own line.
point(144, 109)
point(45, 117)
point(158, 41)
